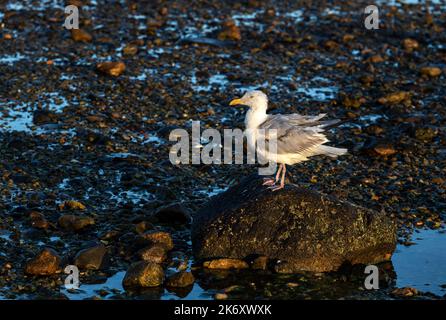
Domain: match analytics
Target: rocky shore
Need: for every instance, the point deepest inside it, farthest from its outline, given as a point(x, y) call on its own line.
point(85, 176)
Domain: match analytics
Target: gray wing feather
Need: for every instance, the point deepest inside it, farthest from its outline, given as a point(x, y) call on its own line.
point(295, 133)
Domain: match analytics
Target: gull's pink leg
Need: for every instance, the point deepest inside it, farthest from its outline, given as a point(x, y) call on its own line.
point(270, 180)
point(281, 166)
point(282, 181)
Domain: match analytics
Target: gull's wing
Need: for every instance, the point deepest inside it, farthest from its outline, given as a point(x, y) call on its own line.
point(275, 120)
point(296, 119)
point(294, 133)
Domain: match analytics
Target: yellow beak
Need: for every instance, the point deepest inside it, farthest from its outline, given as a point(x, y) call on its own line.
point(235, 102)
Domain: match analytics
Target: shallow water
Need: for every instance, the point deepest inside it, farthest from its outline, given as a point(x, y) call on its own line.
point(423, 265)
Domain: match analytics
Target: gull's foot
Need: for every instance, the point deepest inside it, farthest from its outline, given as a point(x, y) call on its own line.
point(269, 182)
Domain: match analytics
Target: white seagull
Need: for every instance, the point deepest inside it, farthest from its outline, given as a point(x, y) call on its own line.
point(298, 137)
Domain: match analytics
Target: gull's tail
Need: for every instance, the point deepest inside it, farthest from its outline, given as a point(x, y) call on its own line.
point(331, 151)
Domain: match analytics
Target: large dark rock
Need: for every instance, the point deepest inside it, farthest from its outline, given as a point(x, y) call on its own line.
point(302, 229)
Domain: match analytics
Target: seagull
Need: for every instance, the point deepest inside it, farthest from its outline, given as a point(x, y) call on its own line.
point(298, 137)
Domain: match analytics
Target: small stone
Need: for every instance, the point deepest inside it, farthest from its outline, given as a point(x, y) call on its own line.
point(155, 254)
point(234, 288)
point(394, 98)
point(367, 79)
point(38, 220)
point(174, 214)
point(292, 284)
point(331, 44)
point(95, 119)
point(426, 134)
point(130, 50)
point(164, 11)
point(221, 296)
point(374, 129)
point(181, 279)
point(230, 32)
point(45, 263)
point(159, 237)
point(348, 37)
point(384, 150)
point(226, 264)
point(91, 258)
point(352, 102)
point(376, 59)
point(260, 263)
point(80, 35)
point(72, 205)
point(75, 223)
point(410, 44)
point(143, 226)
point(405, 292)
point(44, 117)
point(431, 71)
point(111, 68)
point(143, 274)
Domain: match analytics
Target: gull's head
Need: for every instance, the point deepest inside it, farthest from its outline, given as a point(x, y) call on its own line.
point(254, 99)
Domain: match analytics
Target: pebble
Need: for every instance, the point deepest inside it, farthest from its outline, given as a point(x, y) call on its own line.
point(91, 258)
point(80, 35)
point(143, 226)
point(160, 238)
point(38, 220)
point(181, 279)
point(410, 44)
point(426, 134)
point(75, 223)
point(130, 50)
point(405, 292)
point(226, 264)
point(394, 98)
point(230, 32)
point(431, 71)
point(384, 150)
point(41, 117)
point(376, 59)
point(155, 254)
point(111, 68)
point(72, 205)
point(221, 296)
point(45, 263)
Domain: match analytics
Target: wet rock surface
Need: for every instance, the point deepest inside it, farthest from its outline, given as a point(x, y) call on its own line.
point(45, 263)
point(75, 222)
point(71, 132)
point(144, 274)
point(181, 279)
point(91, 258)
point(155, 254)
point(301, 229)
